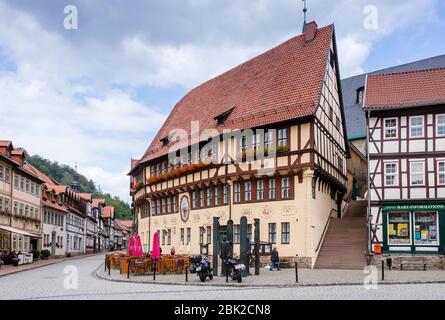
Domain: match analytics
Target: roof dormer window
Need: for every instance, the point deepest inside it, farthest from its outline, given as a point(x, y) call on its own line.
point(165, 141)
point(360, 95)
point(220, 119)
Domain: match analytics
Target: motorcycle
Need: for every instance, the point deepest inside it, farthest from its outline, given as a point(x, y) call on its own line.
point(201, 266)
point(234, 268)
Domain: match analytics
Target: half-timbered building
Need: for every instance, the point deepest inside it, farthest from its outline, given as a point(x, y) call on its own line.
point(264, 140)
point(406, 122)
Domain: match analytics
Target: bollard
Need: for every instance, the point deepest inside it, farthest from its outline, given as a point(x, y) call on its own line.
point(186, 274)
point(227, 273)
point(240, 277)
point(296, 271)
point(155, 266)
point(383, 270)
point(109, 267)
point(128, 269)
point(105, 263)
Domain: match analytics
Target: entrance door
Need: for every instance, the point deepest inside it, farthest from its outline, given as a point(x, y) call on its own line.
point(53, 244)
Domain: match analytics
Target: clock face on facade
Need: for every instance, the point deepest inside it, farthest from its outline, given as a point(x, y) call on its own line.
point(185, 209)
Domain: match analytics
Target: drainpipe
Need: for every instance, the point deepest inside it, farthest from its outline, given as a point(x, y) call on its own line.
point(369, 217)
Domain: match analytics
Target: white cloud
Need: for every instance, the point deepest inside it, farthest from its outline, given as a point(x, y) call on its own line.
point(118, 183)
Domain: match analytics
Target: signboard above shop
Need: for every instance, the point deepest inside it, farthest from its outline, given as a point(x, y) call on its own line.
point(415, 207)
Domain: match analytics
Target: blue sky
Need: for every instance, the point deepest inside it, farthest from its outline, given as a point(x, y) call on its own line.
point(98, 94)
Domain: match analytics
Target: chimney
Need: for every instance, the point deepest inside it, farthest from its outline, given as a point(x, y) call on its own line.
point(310, 31)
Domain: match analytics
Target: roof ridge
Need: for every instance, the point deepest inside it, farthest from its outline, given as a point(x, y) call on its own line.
point(405, 72)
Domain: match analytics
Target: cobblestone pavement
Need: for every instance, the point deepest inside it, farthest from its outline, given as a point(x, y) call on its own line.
point(48, 283)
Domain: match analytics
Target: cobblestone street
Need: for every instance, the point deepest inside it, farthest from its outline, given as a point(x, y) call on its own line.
point(48, 283)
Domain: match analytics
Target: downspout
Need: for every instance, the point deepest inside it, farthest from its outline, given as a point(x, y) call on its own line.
point(369, 217)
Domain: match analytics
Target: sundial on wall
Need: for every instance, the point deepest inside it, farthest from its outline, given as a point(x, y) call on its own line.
point(185, 209)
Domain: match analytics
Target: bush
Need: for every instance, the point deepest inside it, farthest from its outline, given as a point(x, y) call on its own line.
point(45, 254)
point(36, 254)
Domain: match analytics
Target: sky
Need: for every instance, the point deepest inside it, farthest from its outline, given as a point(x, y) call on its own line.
point(96, 95)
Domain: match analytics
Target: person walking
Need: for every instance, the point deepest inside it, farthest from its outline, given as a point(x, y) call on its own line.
point(275, 260)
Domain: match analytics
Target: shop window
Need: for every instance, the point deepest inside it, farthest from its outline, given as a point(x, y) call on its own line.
point(440, 125)
point(417, 173)
point(285, 233)
point(272, 233)
point(399, 226)
point(391, 174)
point(391, 128)
point(426, 228)
point(416, 126)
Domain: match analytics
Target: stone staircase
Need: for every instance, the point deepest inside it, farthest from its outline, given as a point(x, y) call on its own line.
point(345, 243)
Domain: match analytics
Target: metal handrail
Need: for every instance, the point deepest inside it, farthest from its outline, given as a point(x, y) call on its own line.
point(325, 230)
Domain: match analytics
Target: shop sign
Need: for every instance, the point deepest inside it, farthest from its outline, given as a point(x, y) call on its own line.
point(412, 207)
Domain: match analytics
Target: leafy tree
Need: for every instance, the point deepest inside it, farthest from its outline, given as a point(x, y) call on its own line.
point(63, 174)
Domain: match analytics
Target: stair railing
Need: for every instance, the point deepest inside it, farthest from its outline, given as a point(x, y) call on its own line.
point(333, 211)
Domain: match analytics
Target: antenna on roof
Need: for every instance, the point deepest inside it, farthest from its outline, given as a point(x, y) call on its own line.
point(305, 13)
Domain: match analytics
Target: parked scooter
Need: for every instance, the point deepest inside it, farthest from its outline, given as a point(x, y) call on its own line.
point(201, 266)
point(234, 268)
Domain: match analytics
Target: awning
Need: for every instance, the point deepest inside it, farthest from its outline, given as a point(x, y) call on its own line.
point(18, 231)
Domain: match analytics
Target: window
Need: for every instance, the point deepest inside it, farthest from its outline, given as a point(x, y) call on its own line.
point(441, 172)
point(169, 237)
point(175, 204)
point(22, 183)
point(189, 236)
point(391, 174)
point(226, 195)
point(243, 144)
point(256, 141)
point(182, 236)
point(164, 207)
point(391, 128)
point(194, 199)
point(209, 235)
point(360, 95)
point(440, 119)
point(331, 113)
point(399, 226)
point(260, 190)
point(236, 234)
point(202, 231)
point(164, 234)
point(248, 191)
point(250, 232)
point(340, 163)
point(158, 206)
point(285, 188)
point(7, 175)
point(209, 197)
point(237, 192)
point(337, 123)
point(416, 126)
point(272, 232)
point(272, 189)
point(426, 228)
point(2, 172)
point(269, 140)
point(217, 196)
point(169, 204)
point(417, 173)
point(201, 198)
point(16, 182)
point(285, 233)
point(282, 137)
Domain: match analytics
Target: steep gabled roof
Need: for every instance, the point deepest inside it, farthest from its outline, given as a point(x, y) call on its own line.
point(108, 212)
point(281, 84)
point(406, 89)
point(97, 202)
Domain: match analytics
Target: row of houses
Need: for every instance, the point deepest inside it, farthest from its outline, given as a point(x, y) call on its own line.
point(330, 176)
point(38, 213)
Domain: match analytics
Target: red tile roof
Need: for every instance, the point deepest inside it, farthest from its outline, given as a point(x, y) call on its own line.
point(282, 84)
point(405, 89)
point(86, 196)
point(97, 202)
point(5, 143)
point(108, 212)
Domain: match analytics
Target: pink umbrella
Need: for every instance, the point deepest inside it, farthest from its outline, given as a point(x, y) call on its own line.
point(138, 251)
point(131, 246)
point(156, 251)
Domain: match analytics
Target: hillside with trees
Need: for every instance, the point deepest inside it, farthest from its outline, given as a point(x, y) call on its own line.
point(63, 174)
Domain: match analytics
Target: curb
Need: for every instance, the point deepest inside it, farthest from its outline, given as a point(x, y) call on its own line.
point(234, 286)
point(55, 261)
